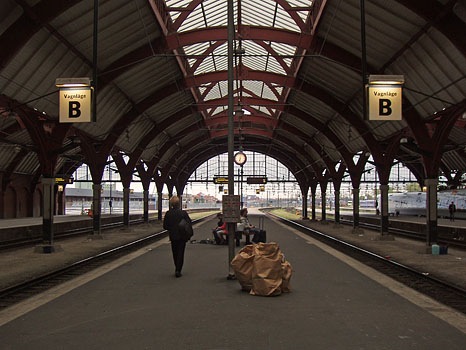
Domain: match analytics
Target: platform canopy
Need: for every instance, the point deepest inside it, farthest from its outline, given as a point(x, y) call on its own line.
point(300, 70)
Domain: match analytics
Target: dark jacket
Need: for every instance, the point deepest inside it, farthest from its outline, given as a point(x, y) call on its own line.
point(172, 219)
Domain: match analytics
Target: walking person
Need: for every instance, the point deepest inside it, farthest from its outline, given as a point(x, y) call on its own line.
point(178, 240)
point(452, 210)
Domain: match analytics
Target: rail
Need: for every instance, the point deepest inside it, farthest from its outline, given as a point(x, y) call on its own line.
point(445, 292)
point(33, 286)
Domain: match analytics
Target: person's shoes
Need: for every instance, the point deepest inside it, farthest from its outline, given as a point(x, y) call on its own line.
point(178, 274)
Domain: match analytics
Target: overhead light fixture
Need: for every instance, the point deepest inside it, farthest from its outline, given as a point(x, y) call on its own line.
point(239, 111)
point(386, 79)
point(239, 51)
point(72, 82)
point(404, 140)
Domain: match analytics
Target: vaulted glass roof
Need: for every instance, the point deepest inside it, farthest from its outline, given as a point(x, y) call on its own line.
point(264, 55)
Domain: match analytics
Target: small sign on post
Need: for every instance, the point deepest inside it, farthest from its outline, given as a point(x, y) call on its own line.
point(230, 204)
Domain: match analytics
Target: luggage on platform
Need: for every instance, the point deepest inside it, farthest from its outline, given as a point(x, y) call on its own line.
point(262, 269)
point(261, 234)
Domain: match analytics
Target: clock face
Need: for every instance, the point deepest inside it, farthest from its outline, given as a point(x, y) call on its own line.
point(240, 158)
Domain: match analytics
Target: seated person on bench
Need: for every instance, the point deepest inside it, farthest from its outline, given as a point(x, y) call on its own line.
point(220, 232)
point(245, 226)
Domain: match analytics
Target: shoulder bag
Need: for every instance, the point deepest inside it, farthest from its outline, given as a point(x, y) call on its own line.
point(185, 229)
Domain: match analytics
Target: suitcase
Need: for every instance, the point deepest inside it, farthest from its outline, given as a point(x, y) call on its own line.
point(261, 235)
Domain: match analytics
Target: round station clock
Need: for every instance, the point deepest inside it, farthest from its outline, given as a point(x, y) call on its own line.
point(240, 158)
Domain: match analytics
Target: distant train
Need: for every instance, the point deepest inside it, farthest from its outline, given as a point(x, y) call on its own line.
point(79, 201)
point(414, 203)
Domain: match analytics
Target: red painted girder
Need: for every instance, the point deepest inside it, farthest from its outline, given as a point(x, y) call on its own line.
point(292, 11)
point(161, 16)
point(186, 11)
point(247, 74)
point(257, 119)
point(300, 40)
point(245, 132)
point(245, 101)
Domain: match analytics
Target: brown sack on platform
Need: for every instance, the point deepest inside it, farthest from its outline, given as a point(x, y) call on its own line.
point(287, 271)
point(242, 265)
point(267, 270)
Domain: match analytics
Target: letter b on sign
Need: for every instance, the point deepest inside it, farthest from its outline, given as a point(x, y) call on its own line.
point(385, 107)
point(74, 110)
point(384, 103)
point(75, 105)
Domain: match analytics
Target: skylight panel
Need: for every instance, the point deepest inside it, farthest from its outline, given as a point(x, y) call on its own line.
point(259, 14)
point(302, 3)
point(216, 12)
point(258, 59)
point(212, 64)
point(266, 13)
point(209, 13)
point(259, 89)
point(176, 4)
point(220, 90)
point(196, 49)
point(262, 109)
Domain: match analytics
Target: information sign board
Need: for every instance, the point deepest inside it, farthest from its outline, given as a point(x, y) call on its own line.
point(257, 180)
point(230, 204)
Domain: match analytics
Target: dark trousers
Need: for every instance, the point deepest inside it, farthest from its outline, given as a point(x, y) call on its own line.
point(178, 247)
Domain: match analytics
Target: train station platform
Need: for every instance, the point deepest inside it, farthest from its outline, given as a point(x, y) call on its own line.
point(137, 303)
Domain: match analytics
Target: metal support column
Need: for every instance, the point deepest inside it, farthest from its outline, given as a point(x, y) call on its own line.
point(356, 227)
point(431, 206)
point(231, 226)
point(126, 192)
point(96, 209)
point(146, 206)
point(384, 224)
point(47, 246)
point(337, 206)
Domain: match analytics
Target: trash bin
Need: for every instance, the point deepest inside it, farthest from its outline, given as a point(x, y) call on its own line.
point(435, 249)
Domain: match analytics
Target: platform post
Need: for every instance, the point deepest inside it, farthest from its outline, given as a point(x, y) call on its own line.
point(431, 205)
point(305, 198)
point(384, 223)
point(96, 208)
point(337, 206)
point(355, 208)
point(384, 212)
point(146, 206)
point(126, 192)
point(47, 246)
point(159, 205)
point(324, 206)
point(356, 229)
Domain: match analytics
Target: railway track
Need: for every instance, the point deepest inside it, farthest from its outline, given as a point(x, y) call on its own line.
point(442, 291)
point(17, 293)
point(442, 239)
point(439, 290)
point(14, 294)
point(12, 244)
